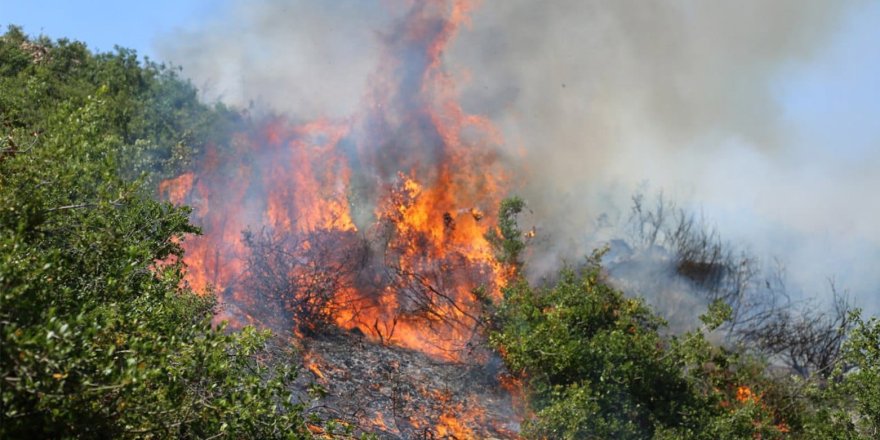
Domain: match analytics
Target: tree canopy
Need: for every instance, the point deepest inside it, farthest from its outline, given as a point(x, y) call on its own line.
point(99, 338)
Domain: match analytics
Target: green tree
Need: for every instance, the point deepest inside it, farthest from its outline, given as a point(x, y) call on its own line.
point(597, 366)
point(99, 339)
point(848, 407)
point(508, 238)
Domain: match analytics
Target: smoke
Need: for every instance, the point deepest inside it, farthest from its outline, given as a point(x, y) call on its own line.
point(598, 97)
point(309, 58)
point(593, 99)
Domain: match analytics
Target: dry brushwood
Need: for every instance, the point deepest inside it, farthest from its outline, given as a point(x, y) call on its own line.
point(297, 275)
point(700, 255)
point(807, 339)
point(804, 338)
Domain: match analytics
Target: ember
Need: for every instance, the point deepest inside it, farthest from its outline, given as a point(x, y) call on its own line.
point(397, 393)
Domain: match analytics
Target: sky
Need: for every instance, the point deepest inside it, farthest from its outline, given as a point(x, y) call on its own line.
point(835, 98)
point(103, 24)
point(823, 182)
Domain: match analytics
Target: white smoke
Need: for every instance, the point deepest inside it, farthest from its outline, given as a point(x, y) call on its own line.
point(603, 96)
point(308, 58)
point(595, 97)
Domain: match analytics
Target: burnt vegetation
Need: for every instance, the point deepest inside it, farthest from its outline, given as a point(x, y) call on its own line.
point(295, 277)
point(295, 280)
point(807, 338)
point(800, 334)
point(696, 251)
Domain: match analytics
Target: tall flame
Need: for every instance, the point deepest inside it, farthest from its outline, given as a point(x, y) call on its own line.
point(402, 185)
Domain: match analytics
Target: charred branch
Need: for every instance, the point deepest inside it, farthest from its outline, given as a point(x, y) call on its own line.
point(296, 277)
point(807, 339)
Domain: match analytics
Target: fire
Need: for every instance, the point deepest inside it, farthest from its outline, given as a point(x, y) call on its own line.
point(312, 365)
point(451, 423)
point(379, 421)
point(744, 394)
point(177, 188)
point(451, 427)
point(376, 222)
point(516, 389)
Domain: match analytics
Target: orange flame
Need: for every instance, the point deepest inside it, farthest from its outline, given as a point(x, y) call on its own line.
point(451, 427)
point(744, 394)
point(427, 168)
point(177, 188)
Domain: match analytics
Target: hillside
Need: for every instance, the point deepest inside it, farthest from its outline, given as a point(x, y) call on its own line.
point(172, 269)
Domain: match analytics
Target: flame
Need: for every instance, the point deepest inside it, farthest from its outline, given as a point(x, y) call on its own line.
point(451, 427)
point(378, 421)
point(744, 394)
point(399, 191)
point(312, 365)
point(177, 188)
point(375, 223)
point(516, 388)
point(451, 423)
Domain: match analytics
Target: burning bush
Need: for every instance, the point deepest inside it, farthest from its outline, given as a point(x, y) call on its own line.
point(374, 222)
point(296, 278)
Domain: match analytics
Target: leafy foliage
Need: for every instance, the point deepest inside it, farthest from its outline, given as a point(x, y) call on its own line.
point(849, 407)
point(587, 349)
point(98, 337)
point(507, 240)
point(159, 122)
point(598, 367)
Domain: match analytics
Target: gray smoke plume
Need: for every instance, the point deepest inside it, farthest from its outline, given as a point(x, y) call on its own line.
point(594, 98)
point(309, 58)
point(600, 96)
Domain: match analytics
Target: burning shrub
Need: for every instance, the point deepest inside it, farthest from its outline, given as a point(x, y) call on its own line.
point(376, 220)
point(296, 277)
point(396, 281)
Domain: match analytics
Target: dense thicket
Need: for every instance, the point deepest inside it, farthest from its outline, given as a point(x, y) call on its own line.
point(597, 366)
point(99, 339)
